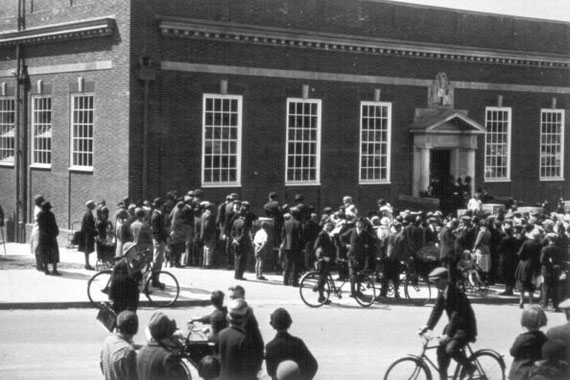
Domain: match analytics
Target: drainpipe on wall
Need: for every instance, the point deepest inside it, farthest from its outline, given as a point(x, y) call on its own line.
point(147, 74)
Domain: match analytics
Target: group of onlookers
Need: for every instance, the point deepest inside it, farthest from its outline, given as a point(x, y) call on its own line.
point(239, 350)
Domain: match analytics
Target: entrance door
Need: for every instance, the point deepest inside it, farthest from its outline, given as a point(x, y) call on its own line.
point(440, 167)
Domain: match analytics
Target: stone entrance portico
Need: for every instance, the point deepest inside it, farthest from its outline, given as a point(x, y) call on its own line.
point(443, 129)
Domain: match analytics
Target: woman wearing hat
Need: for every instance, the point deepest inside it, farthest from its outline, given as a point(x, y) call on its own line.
point(47, 240)
point(38, 200)
point(124, 287)
point(88, 233)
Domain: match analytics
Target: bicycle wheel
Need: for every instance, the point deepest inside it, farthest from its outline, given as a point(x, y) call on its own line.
point(186, 365)
point(163, 296)
point(408, 368)
point(417, 290)
point(490, 366)
point(98, 287)
point(309, 292)
point(365, 290)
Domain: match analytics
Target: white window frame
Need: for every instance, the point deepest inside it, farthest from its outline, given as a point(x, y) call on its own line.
point(221, 141)
point(49, 134)
point(74, 166)
point(4, 137)
point(560, 144)
point(488, 135)
point(317, 180)
point(374, 141)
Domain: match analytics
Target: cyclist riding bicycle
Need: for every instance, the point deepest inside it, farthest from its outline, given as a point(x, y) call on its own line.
point(325, 252)
point(462, 326)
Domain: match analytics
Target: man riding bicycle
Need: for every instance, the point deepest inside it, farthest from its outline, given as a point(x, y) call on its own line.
point(325, 251)
point(462, 326)
point(358, 240)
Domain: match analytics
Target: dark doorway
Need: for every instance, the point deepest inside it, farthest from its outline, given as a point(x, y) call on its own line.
point(440, 163)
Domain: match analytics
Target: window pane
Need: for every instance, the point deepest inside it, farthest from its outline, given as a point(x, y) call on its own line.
point(302, 142)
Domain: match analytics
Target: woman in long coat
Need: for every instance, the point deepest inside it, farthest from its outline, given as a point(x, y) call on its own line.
point(528, 268)
point(481, 248)
point(47, 241)
point(508, 252)
point(88, 233)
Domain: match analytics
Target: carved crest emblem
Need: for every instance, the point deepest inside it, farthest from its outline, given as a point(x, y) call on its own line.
point(441, 92)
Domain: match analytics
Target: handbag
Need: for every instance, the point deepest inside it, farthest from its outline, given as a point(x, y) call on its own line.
point(107, 317)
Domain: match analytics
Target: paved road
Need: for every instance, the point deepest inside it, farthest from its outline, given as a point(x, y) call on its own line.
point(348, 341)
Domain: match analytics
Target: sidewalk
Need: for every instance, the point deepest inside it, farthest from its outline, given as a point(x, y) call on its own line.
point(23, 287)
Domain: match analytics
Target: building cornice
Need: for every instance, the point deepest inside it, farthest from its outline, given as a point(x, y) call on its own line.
point(98, 27)
point(253, 34)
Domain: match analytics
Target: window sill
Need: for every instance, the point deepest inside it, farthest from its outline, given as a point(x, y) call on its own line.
point(216, 185)
point(83, 169)
point(6, 164)
point(499, 180)
point(375, 183)
point(557, 179)
point(302, 184)
point(40, 166)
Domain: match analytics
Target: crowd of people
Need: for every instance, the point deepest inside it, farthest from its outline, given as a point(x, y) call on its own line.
point(239, 351)
point(523, 251)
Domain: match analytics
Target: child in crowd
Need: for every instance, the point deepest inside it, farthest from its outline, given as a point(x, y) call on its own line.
point(553, 366)
point(527, 347)
point(261, 247)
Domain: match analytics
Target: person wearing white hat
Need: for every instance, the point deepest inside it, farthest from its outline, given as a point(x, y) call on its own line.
point(462, 326)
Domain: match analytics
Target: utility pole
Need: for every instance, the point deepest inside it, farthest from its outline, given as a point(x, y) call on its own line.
point(21, 133)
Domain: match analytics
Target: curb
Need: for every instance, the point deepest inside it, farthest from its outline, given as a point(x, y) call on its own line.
point(88, 305)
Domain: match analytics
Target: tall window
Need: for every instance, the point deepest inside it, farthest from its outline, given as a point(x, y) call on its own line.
point(221, 142)
point(375, 129)
point(498, 144)
point(551, 144)
point(41, 129)
point(82, 125)
point(7, 131)
point(303, 141)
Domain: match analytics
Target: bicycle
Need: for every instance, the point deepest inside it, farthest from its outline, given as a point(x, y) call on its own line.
point(489, 365)
point(417, 288)
point(365, 293)
point(98, 285)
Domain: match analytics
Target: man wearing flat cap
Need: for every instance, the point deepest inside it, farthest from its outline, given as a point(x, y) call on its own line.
point(462, 326)
point(159, 238)
point(288, 347)
point(118, 356)
point(235, 347)
point(274, 209)
point(154, 360)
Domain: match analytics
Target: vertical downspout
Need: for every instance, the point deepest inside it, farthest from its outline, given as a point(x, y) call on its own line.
point(146, 122)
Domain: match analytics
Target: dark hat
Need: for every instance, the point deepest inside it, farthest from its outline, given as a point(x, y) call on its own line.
point(237, 310)
point(206, 204)
point(158, 202)
point(90, 204)
point(438, 273)
point(38, 199)
point(272, 194)
point(161, 326)
point(127, 322)
point(299, 197)
point(281, 319)
point(396, 223)
point(122, 214)
point(46, 206)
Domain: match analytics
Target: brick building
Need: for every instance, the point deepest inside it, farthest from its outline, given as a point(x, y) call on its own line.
point(328, 97)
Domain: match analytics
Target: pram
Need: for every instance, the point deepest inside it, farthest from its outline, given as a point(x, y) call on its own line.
point(106, 250)
point(470, 280)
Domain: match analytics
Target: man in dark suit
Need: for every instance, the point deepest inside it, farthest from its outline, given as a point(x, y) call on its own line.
point(358, 241)
point(234, 347)
point(231, 214)
point(240, 243)
point(159, 237)
point(287, 347)
point(292, 249)
point(274, 209)
point(325, 251)
point(462, 326)
point(154, 361)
